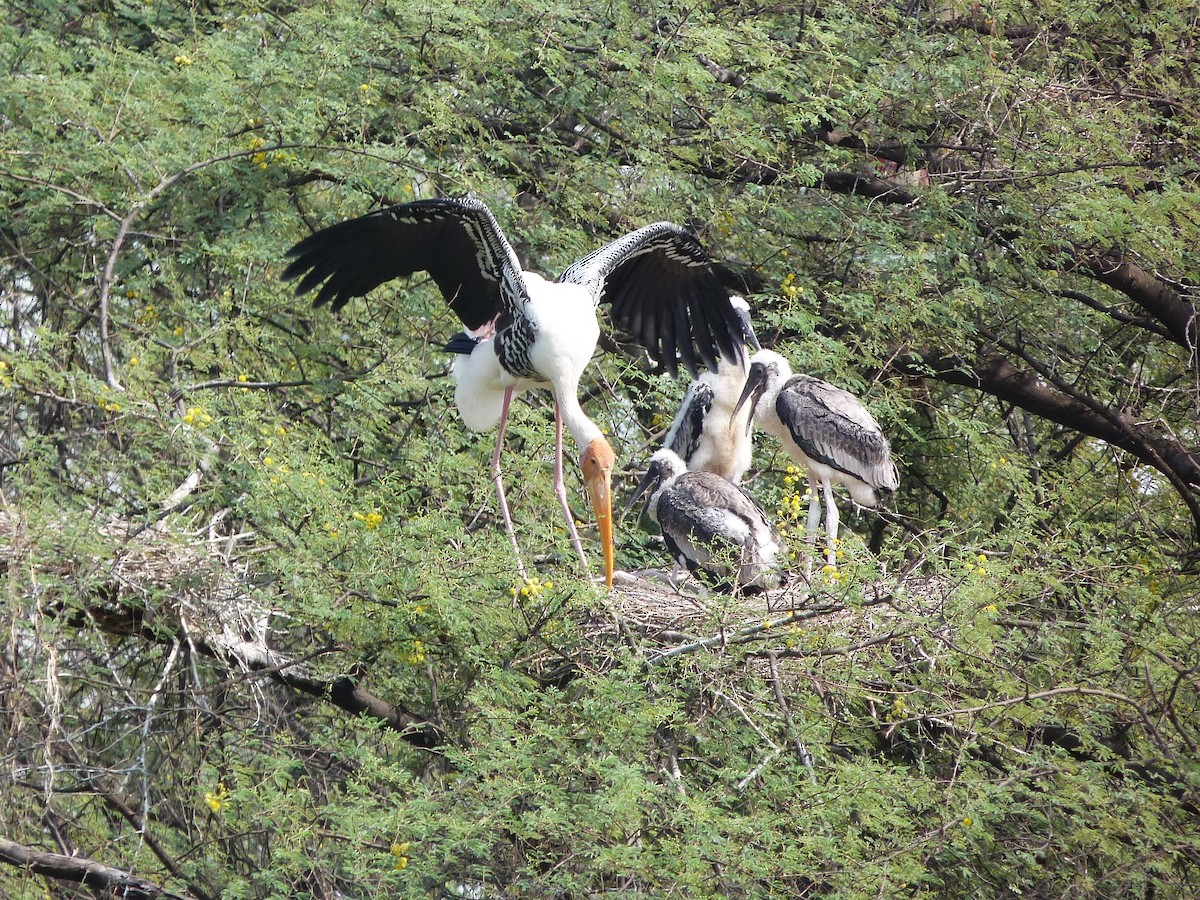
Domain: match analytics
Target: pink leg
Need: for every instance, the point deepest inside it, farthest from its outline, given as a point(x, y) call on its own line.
point(560, 487)
point(496, 477)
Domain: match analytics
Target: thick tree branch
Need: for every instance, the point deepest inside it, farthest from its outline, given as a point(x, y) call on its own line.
point(885, 190)
point(114, 882)
point(1160, 301)
point(994, 373)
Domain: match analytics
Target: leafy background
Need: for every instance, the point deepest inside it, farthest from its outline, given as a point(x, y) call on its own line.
point(982, 219)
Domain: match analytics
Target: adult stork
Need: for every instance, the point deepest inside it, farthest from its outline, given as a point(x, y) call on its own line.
point(708, 434)
point(712, 524)
point(523, 330)
point(826, 430)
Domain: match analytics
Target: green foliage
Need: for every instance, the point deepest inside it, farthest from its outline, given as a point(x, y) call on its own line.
point(1018, 717)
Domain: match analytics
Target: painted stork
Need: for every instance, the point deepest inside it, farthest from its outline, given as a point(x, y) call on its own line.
point(826, 430)
point(711, 524)
point(522, 330)
point(707, 433)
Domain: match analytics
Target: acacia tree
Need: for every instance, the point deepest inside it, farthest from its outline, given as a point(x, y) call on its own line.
point(262, 636)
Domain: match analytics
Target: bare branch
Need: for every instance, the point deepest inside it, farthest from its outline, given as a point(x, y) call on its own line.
point(77, 869)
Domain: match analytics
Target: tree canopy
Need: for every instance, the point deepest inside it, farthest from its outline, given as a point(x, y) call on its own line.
point(263, 634)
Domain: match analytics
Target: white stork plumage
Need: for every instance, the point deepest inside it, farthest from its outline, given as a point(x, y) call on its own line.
point(708, 434)
point(657, 281)
point(826, 430)
point(711, 524)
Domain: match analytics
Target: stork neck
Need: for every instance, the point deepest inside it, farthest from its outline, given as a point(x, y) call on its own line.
point(583, 430)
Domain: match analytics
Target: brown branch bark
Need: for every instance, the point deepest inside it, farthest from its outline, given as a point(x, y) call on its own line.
point(1162, 302)
point(211, 611)
point(995, 374)
point(885, 190)
point(114, 882)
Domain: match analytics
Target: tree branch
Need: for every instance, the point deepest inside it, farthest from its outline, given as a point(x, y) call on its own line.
point(1163, 303)
point(995, 374)
point(114, 882)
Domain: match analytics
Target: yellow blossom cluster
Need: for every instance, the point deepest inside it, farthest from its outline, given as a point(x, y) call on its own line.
point(216, 800)
point(148, 314)
point(263, 160)
point(532, 587)
point(6, 379)
point(366, 93)
point(415, 655)
point(198, 416)
point(790, 289)
point(976, 564)
point(183, 60)
point(400, 851)
point(370, 520)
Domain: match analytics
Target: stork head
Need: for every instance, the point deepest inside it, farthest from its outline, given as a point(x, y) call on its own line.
point(664, 465)
point(767, 372)
point(597, 465)
point(741, 309)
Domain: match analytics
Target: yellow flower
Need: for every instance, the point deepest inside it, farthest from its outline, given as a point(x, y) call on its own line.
point(178, 331)
point(216, 799)
point(372, 520)
point(280, 430)
point(243, 378)
point(268, 460)
point(133, 360)
point(967, 821)
point(183, 60)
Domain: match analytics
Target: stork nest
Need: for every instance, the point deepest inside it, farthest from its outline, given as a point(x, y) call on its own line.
point(131, 578)
point(669, 616)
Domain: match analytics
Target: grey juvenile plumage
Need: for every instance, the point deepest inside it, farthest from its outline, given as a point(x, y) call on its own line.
point(711, 524)
point(826, 430)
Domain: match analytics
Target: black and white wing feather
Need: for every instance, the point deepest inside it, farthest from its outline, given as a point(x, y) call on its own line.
point(686, 431)
point(710, 523)
point(457, 241)
point(661, 289)
point(832, 427)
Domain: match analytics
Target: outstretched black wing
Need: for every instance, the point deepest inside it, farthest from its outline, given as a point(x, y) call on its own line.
point(661, 289)
point(458, 242)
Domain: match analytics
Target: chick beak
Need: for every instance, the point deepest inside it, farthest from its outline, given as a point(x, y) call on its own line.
point(756, 384)
point(597, 464)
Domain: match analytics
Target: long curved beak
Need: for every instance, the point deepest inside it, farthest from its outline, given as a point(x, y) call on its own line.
point(756, 383)
point(748, 334)
point(597, 467)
